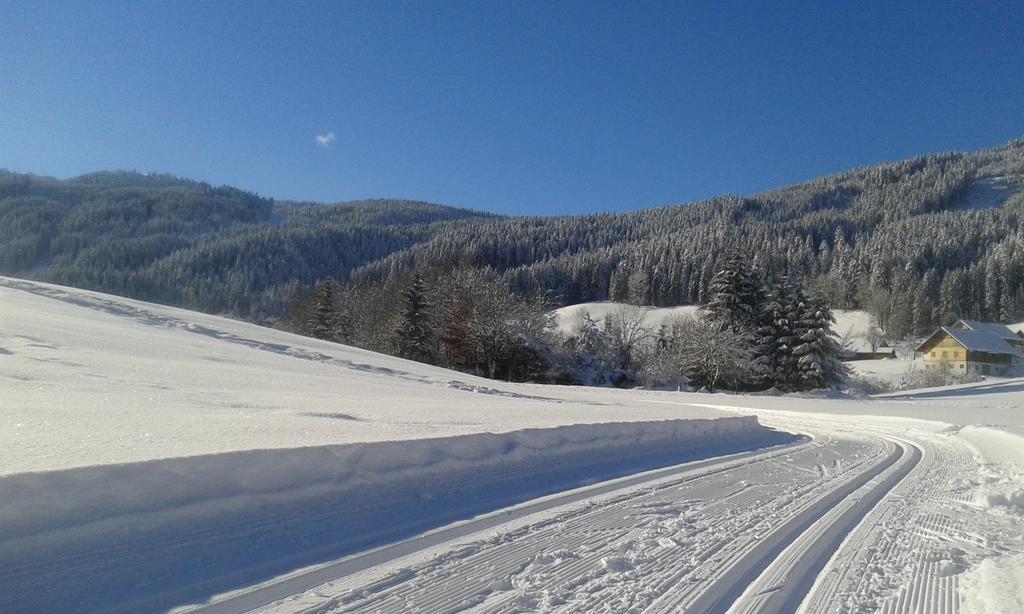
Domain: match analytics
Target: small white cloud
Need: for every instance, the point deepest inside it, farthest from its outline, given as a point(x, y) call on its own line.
point(324, 140)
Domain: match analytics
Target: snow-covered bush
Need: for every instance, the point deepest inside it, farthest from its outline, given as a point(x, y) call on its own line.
point(868, 384)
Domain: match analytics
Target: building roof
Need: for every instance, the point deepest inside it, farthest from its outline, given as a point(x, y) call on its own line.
point(980, 337)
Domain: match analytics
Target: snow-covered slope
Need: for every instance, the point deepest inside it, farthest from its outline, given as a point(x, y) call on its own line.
point(90, 378)
point(151, 457)
point(132, 429)
point(850, 324)
point(567, 317)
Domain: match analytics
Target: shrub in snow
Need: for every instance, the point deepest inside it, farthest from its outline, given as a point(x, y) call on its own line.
point(870, 385)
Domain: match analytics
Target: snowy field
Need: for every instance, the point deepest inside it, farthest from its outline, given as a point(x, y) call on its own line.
point(567, 317)
point(891, 370)
point(850, 324)
point(152, 458)
point(95, 379)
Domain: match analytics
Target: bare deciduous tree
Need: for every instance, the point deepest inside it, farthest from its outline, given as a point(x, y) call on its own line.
point(874, 337)
point(625, 329)
point(710, 355)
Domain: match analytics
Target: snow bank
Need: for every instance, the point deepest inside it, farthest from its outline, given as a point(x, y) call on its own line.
point(850, 326)
point(1003, 444)
point(150, 534)
point(996, 586)
point(1000, 486)
point(89, 379)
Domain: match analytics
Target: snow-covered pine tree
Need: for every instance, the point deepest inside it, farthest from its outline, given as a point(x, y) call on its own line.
point(725, 308)
point(759, 375)
point(775, 337)
point(415, 335)
point(737, 303)
point(737, 296)
point(817, 353)
point(324, 321)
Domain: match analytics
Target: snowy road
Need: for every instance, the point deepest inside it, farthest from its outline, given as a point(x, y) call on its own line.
point(827, 525)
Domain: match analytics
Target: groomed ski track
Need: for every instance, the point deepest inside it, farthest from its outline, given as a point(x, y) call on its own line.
point(776, 530)
point(306, 580)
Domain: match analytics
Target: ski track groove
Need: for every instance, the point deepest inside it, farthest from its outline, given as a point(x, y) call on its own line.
point(715, 533)
point(905, 556)
point(862, 518)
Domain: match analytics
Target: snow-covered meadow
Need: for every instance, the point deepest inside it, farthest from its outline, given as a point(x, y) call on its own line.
point(850, 323)
point(244, 455)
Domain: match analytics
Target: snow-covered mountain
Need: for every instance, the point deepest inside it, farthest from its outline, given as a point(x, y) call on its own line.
point(224, 250)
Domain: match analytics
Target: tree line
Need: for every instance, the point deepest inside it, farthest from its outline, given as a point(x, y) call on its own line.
point(754, 334)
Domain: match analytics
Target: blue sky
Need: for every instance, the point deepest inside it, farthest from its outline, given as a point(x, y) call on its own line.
point(514, 107)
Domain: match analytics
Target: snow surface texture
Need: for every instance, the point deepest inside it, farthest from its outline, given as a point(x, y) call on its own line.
point(93, 379)
point(876, 514)
point(267, 511)
point(137, 436)
point(995, 586)
point(146, 450)
point(567, 317)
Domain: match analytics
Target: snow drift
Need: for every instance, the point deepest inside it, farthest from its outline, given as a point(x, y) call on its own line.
point(152, 534)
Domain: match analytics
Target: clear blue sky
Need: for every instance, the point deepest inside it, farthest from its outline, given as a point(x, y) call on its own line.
point(514, 107)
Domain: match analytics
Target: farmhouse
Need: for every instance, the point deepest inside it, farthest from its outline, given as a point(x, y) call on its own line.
point(974, 347)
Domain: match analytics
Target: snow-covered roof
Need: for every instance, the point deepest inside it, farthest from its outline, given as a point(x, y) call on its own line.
point(981, 337)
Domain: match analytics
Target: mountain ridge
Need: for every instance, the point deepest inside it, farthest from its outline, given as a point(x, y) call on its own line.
point(222, 249)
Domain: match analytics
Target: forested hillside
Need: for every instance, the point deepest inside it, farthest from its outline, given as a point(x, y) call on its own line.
point(917, 242)
point(215, 249)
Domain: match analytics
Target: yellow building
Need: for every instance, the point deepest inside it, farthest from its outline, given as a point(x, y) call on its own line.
point(974, 347)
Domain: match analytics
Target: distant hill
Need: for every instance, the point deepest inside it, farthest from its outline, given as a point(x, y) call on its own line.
point(184, 242)
point(917, 242)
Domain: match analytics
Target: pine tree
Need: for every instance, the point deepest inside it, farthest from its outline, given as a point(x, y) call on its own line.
point(776, 338)
point(737, 304)
point(736, 297)
point(817, 351)
point(324, 321)
point(415, 335)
